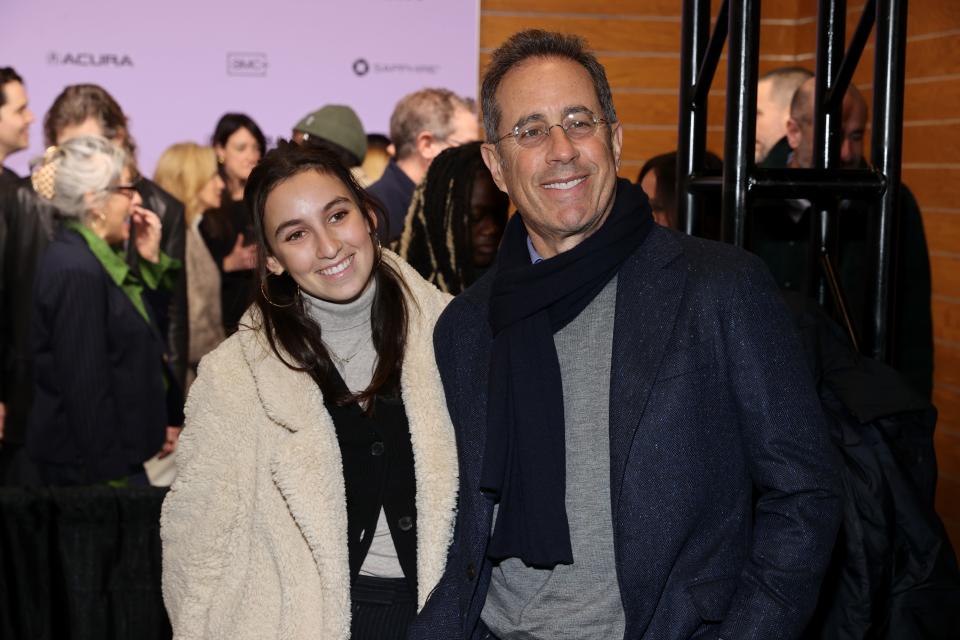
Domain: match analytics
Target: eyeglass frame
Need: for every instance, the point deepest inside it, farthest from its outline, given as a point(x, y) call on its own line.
point(515, 133)
point(126, 190)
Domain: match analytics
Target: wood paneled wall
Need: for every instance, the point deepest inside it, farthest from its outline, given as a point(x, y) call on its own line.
point(638, 41)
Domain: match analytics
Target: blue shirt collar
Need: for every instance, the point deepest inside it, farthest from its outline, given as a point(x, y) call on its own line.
point(534, 256)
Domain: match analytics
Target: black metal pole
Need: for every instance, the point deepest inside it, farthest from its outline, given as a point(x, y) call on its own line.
point(800, 183)
point(831, 29)
point(886, 151)
point(692, 136)
point(708, 67)
point(854, 51)
point(743, 51)
point(827, 134)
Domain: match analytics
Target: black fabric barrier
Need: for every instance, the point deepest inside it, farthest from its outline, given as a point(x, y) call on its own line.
point(81, 563)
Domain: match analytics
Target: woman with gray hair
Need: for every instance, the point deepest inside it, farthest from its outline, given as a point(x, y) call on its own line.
point(99, 407)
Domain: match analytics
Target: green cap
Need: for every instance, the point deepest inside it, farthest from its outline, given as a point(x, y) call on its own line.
point(338, 124)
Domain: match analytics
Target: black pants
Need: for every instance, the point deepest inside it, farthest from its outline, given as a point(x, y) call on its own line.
point(382, 608)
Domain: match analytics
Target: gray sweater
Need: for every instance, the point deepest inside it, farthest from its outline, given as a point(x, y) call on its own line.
point(345, 328)
point(581, 600)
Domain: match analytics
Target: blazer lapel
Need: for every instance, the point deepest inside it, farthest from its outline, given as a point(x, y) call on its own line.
point(649, 289)
point(307, 468)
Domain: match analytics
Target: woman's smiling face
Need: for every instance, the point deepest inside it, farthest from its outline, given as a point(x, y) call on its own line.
point(317, 233)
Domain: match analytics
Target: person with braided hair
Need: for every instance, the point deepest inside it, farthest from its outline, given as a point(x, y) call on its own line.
point(455, 222)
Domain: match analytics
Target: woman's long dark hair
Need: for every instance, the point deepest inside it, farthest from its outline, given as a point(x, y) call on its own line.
point(288, 328)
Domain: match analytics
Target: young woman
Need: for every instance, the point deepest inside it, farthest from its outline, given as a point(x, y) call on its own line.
point(99, 408)
point(317, 470)
point(228, 232)
point(189, 173)
point(455, 222)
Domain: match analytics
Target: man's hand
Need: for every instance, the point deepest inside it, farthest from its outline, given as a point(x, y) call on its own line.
point(173, 436)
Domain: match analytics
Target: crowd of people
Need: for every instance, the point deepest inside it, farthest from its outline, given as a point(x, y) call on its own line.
point(408, 412)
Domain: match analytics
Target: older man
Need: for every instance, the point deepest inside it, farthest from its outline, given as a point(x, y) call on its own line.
point(641, 451)
point(423, 124)
point(780, 232)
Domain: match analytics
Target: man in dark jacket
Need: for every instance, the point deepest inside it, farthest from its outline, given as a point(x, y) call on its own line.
point(779, 232)
point(641, 451)
point(27, 225)
point(423, 124)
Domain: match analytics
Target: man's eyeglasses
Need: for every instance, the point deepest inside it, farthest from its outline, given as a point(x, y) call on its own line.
point(579, 125)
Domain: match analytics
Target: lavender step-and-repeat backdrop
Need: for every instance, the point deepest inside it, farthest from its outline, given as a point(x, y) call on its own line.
point(176, 65)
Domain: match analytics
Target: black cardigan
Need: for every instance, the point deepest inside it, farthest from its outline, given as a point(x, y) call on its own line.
point(378, 472)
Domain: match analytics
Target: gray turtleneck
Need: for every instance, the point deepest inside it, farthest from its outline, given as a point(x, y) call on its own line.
point(345, 328)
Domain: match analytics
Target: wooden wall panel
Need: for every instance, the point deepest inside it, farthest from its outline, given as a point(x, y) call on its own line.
point(943, 231)
point(947, 363)
point(933, 187)
point(638, 41)
point(917, 137)
point(947, 311)
point(945, 269)
point(947, 400)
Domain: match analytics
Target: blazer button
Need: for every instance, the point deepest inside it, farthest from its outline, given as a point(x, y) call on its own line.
point(376, 449)
point(405, 523)
point(471, 571)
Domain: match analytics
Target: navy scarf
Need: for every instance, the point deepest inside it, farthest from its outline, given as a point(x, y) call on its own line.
point(524, 465)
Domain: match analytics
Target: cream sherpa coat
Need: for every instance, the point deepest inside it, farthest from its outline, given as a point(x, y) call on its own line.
point(255, 527)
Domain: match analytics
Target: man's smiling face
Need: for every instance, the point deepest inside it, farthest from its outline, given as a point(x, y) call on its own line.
point(563, 188)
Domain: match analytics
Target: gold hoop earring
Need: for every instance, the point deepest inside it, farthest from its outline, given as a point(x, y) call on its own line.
point(263, 292)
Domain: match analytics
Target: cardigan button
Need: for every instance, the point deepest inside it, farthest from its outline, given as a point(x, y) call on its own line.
point(376, 449)
point(471, 571)
point(405, 523)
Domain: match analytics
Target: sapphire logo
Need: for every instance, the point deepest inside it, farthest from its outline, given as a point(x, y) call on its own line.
point(361, 67)
point(86, 59)
point(247, 64)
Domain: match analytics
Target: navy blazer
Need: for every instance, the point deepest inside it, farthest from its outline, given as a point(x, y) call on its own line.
point(723, 483)
point(99, 399)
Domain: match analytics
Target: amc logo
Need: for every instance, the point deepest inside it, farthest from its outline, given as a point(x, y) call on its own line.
point(247, 64)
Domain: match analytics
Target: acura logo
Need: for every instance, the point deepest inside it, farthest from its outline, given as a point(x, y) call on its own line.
point(85, 59)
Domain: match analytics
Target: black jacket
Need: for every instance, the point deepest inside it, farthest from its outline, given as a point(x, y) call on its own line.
point(710, 398)
point(99, 399)
point(893, 573)
point(171, 307)
point(394, 190)
point(27, 225)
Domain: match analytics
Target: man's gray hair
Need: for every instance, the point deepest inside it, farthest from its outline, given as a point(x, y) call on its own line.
point(87, 164)
point(535, 43)
point(425, 110)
